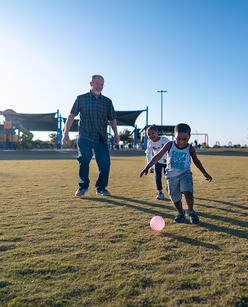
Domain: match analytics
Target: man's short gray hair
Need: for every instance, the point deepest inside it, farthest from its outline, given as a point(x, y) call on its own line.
point(97, 77)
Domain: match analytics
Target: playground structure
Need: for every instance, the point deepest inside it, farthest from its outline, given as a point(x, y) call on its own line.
point(8, 138)
point(51, 122)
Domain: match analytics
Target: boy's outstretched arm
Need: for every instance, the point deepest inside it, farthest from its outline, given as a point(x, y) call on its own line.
point(155, 159)
point(198, 164)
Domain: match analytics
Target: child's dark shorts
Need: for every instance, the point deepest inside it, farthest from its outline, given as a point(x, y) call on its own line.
point(176, 185)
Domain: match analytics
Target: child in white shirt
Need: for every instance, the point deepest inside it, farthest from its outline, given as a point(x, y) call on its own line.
point(153, 147)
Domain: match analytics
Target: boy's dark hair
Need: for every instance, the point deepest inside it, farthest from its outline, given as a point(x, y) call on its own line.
point(153, 127)
point(182, 128)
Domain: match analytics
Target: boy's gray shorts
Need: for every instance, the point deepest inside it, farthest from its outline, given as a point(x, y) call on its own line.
point(176, 185)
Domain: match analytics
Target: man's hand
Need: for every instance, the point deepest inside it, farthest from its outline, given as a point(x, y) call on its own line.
point(116, 139)
point(151, 170)
point(208, 177)
point(65, 139)
point(68, 125)
point(144, 171)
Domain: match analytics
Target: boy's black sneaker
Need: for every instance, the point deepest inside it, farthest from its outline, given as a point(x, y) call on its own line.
point(193, 217)
point(180, 218)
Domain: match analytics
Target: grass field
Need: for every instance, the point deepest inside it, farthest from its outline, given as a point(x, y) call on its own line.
point(56, 250)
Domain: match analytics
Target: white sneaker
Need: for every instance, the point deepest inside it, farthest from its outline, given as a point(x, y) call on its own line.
point(160, 196)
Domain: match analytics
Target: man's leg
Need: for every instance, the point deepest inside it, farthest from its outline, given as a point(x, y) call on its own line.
point(103, 162)
point(84, 158)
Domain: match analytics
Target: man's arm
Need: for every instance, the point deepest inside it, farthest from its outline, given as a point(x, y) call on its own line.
point(113, 124)
point(198, 164)
point(68, 125)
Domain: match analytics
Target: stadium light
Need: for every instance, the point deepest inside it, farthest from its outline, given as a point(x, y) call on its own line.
point(161, 92)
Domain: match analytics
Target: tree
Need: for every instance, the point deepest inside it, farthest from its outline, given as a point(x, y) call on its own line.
point(125, 136)
point(53, 138)
point(26, 140)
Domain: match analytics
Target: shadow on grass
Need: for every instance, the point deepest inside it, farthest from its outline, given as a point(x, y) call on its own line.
point(234, 232)
point(225, 219)
point(159, 203)
point(191, 241)
point(222, 209)
point(209, 216)
point(37, 155)
point(116, 203)
point(165, 215)
point(54, 154)
point(230, 231)
point(4, 248)
point(11, 240)
point(223, 202)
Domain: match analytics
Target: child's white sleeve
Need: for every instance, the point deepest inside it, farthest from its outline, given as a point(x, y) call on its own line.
point(149, 153)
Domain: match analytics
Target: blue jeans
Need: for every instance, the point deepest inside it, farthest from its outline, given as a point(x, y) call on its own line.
point(85, 153)
point(158, 174)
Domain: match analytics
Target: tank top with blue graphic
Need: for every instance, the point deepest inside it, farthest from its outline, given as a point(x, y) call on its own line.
point(178, 160)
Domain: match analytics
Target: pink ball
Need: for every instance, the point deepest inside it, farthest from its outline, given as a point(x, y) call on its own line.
point(157, 223)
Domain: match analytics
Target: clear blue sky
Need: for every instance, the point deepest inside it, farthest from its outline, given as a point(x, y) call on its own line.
point(195, 49)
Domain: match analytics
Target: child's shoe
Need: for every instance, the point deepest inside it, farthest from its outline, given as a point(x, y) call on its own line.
point(193, 217)
point(180, 218)
point(160, 196)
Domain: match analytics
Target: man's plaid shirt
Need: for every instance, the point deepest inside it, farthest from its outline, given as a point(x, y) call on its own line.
point(94, 116)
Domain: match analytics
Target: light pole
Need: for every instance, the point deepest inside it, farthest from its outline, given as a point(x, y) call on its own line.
point(161, 92)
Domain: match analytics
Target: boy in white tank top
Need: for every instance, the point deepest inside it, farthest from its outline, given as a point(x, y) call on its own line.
point(154, 145)
point(178, 171)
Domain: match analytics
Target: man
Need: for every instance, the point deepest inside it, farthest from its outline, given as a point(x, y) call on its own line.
point(96, 111)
